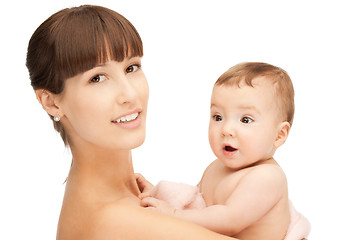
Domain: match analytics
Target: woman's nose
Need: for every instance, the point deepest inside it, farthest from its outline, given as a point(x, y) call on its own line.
point(126, 91)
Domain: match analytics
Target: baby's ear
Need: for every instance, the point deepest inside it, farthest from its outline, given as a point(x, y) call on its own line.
point(283, 132)
point(48, 102)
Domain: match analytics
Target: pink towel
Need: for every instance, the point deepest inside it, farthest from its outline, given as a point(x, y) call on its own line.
point(184, 196)
point(299, 227)
point(179, 195)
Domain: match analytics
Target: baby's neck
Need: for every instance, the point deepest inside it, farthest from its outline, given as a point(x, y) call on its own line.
point(270, 160)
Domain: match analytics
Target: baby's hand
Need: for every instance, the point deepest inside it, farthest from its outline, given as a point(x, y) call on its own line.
point(144, 185)
point(158, 205)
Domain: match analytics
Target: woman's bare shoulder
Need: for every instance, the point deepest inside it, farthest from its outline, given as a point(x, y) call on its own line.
point(130, 222)
point(113, 221)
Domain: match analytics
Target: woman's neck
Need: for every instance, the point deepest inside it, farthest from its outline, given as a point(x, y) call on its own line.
point(109, 172)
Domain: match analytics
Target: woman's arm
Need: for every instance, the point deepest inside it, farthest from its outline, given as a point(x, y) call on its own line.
point(253, 197)
point(217, 218)
point(134, 223)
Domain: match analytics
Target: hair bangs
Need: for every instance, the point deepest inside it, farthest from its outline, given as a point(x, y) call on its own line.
point(90, 37)
point(75, 40)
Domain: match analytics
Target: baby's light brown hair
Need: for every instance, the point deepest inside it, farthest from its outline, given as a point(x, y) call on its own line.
point(248, 71)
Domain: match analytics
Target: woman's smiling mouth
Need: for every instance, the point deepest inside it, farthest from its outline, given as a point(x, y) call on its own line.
point(132, 120)
point(127, 118)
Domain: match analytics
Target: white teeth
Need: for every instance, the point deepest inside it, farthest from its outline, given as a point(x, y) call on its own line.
point(127, 118)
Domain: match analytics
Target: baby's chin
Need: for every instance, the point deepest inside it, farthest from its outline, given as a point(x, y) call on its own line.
point(232, 164)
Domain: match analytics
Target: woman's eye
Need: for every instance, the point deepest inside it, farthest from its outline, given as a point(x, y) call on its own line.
point(217, 118)
point(98, 78)
point(132, 68)
point(246, 120)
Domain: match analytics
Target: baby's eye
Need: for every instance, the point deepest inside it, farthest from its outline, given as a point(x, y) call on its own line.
point(246, 120)
point(132, 68)
point(217, 118)
point(98, 78)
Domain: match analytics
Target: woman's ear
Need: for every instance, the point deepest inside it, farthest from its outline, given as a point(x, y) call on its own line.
point(48, 102)
point(283, 133)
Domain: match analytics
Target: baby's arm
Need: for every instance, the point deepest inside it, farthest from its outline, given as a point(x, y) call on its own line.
point(253, 197)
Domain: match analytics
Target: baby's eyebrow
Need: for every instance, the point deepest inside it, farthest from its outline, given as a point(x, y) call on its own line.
point(213, 105)
point(248, 108)
point(240, 106)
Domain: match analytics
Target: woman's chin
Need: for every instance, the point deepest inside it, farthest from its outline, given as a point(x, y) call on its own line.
point(131, 142)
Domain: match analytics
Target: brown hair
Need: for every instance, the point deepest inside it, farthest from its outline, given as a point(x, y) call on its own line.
point(246, 72)
point(75, 40)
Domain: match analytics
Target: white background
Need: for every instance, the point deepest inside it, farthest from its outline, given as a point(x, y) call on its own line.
point(188, 45)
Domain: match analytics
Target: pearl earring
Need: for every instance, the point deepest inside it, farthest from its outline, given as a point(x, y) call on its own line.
point(56, 118)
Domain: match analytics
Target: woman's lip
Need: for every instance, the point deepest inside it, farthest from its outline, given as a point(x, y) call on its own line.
point(130, 124)
point(127, 114)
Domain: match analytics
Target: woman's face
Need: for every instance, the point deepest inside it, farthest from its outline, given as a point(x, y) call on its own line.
point(106, 106)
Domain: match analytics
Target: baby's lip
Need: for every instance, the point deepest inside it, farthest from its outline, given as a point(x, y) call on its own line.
point(229, 148)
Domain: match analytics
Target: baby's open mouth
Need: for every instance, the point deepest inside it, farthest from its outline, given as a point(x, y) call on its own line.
point(229, 148)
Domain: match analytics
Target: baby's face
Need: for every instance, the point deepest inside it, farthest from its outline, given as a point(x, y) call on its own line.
point(244, 123)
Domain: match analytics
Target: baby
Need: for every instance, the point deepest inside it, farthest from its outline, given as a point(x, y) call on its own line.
point(244, 189)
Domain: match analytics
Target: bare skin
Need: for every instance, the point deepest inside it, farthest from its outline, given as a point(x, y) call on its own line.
point(261, 218)
point(247, 204)
point(245, 190)
point(101, 206)
point(103, 111)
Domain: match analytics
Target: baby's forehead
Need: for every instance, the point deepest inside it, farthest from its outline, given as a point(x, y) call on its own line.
point(261, 95)
point(262, 83)
point(259, 81)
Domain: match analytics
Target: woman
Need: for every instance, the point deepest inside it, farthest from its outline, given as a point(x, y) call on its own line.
point(85, 68)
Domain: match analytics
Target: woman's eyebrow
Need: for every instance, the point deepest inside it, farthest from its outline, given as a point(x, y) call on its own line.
point(101, 64)
point(94, 69)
